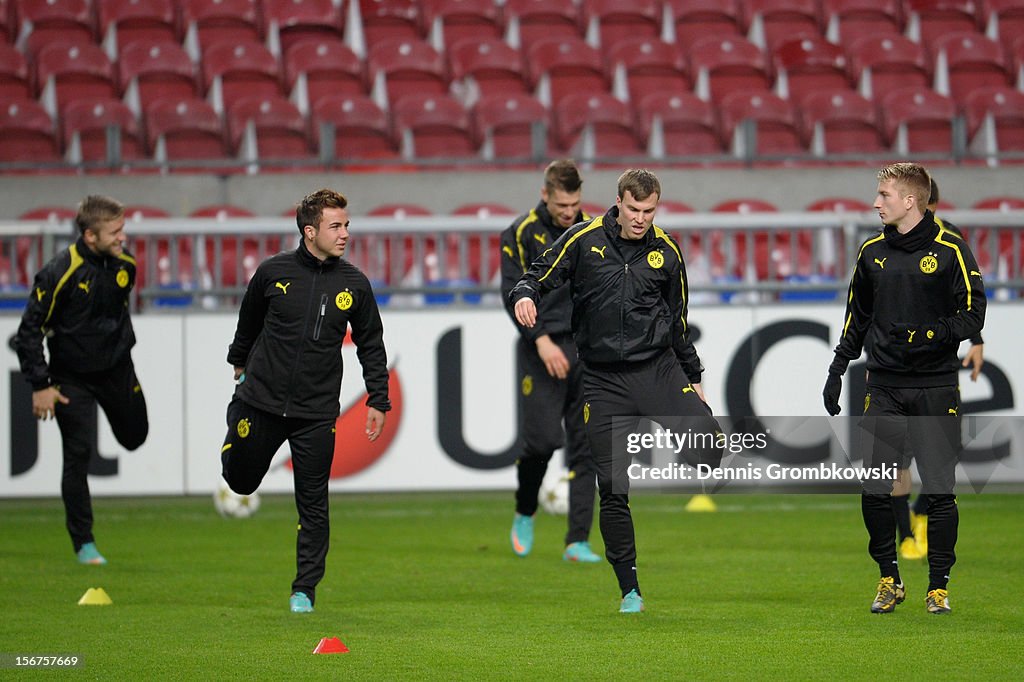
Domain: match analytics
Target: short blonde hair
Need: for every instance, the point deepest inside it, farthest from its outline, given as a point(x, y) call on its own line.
point(911, 179)
point(96, 209)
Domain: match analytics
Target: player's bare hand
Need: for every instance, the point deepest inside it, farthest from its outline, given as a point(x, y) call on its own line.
point(374, 423)
point(699, 390)
point(239, 371)
point(44, 402)
point(553, 357)
point(974, 359)
point(526, 311)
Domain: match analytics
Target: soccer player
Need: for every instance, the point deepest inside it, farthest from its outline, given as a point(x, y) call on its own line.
point(79, 303)
point(913, 527)
point(916, 293)
point(550, 374)
point(287, 364)
point(628, 286)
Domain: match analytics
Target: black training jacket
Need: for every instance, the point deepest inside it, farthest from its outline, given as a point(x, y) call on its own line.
point(927, 276)
point(291, 326)
point(522, 243)
point(79, 302)
point(623, 311)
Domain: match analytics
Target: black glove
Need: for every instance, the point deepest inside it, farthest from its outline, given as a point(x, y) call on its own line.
point(833, 387)
point(918, 334)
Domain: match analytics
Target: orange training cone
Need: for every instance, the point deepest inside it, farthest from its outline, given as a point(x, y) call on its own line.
point(330, 645)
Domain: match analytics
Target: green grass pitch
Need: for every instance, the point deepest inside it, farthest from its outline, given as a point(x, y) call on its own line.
point(425, 586)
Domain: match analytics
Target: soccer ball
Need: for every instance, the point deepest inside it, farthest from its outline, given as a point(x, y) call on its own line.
point(231, 505)
point(554, 495)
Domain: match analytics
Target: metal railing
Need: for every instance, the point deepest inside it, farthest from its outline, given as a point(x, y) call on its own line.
point(204, 264)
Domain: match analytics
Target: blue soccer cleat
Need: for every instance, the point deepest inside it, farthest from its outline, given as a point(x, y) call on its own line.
point(522, 535)
point(580, 552)
point(88, 554)
point(632, 603)
point(299, 603)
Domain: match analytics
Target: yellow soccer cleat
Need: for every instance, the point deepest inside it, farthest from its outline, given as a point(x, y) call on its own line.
point(889, 595)
point(937, 602)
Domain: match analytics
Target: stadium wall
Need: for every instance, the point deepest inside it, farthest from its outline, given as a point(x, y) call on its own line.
point(272, 194)
point(454, 389)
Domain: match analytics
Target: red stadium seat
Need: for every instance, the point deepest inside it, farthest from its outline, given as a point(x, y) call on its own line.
point(54, 22)
point(280, 129)
point(881, 64)
point(995, 120)
point(391, 20)
point(151, 21)
point(776, 254)
point(720, 66)
point(613, 22)
point(561, 66)
point(841, 122)
point(534, 20)
point(927, 20)
point(648, 66)
point(478, 245)
point(846, 21)
point(361, 128)
point(461, 20)
point(968, 61)
point(236, 265)
point(233, 71)
point(777, 131)
point(75, 72)
point(185, 129)
point(408, 67)
point(152, 71)
point(770, 22)
point(919, 120)
point(85, 125)
point(998, 253)
point(696, 19)
point(299, 20)
point(15, 80)
point(27, 133)
point(1004, 21)
point(222, 21)
point(807, 65)
point(688, 123)
point(438, 126)
point(488, 67)
point(509, 125)
point(322, 68)
point(8, 21)
point(608, 120)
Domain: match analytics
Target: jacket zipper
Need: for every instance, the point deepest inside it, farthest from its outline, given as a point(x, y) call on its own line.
point(298, 353)
point(622, 313)
point(320, 319)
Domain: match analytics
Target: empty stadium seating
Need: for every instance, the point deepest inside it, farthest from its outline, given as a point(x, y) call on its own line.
point(27, 133)
point(807, 65)
point(487, 67)
point(774, 119)
point(771, 22)
point(461, 20)
point(295, 21)
point(510, 126)
point(688, 124)
point(185, 130)
point(151, 71)
point(965, 61)
point(361, 128)
point(15, 79)
point(85, 123)
point(648, 66)
point(232, 71)
point(995, 120)
point(609, 23)
point(597, 125)
point(391, 20)
point(232, 22)
point(129, 21)
point(75, 71)
point(562, 66)
point(436, 126)
point(531, 20)
point(883, 63)
point(847, 21)
point(407, 67)
point(54, 22)
point(919, 120)
point(315, 68)
point(841, 122)
point(721, 65)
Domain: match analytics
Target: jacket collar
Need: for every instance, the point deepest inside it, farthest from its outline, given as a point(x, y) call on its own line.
point(614, 230)
point(87, 254)
point(311, 261)
point(920, 236)
point(544, 216)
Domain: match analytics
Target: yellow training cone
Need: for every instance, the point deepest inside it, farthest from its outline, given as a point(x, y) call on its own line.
point(95, 596)
point(701, 503)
